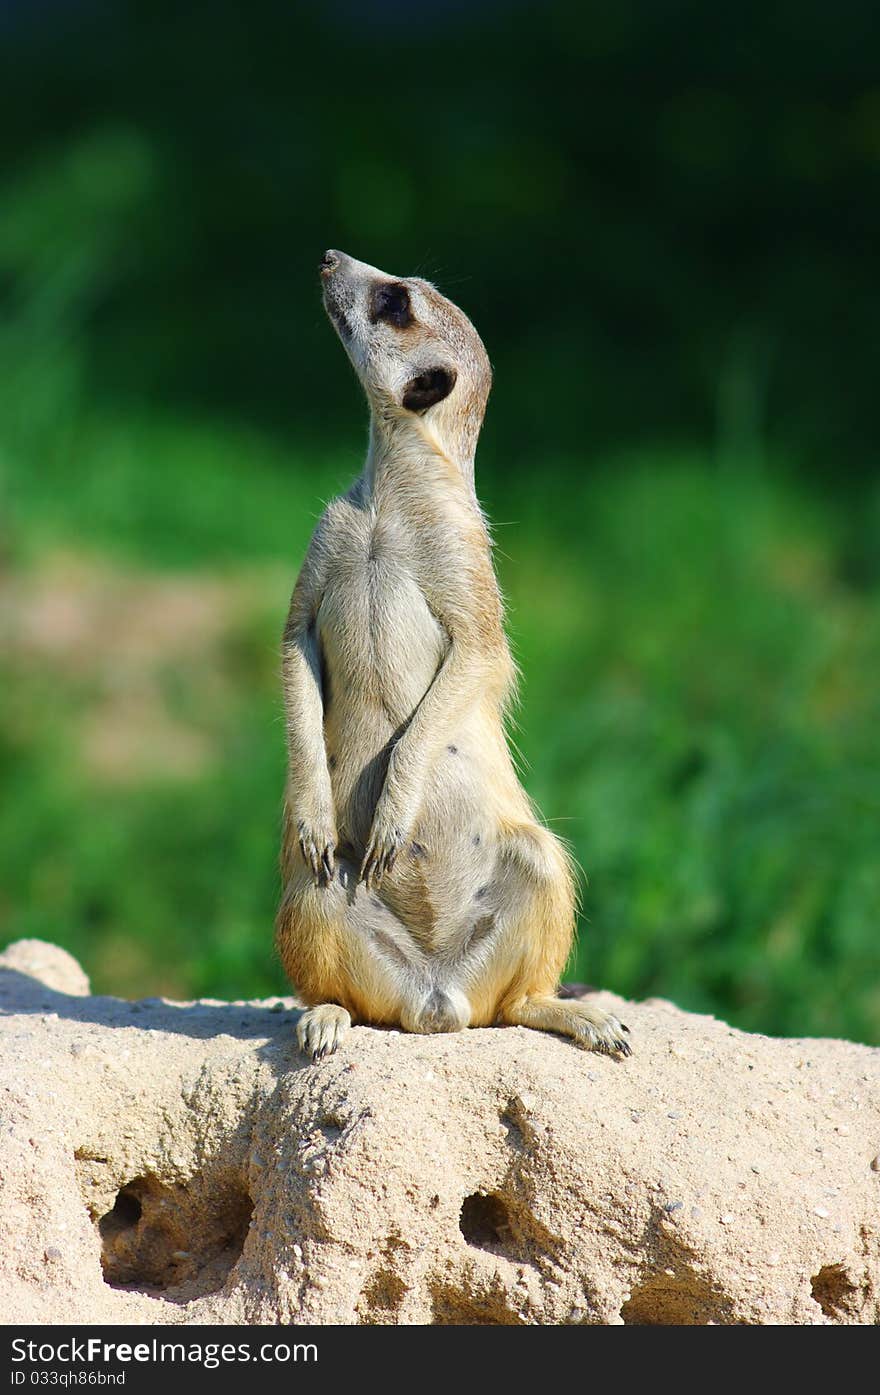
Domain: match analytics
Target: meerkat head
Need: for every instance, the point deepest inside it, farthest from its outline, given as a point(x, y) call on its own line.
point(419, 358)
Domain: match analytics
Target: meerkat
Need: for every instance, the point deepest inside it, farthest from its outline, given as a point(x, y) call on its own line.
point(420, 889)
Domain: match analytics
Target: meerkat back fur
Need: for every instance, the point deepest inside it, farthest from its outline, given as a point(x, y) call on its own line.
point(420, 890)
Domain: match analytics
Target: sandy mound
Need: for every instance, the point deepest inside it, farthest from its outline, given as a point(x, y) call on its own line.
point(178, 1163)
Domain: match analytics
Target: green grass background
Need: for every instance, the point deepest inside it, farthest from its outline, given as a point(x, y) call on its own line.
point(664, 220)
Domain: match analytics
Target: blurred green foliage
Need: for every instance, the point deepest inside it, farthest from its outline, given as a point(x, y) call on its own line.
point(663, 219)
point(663, 214)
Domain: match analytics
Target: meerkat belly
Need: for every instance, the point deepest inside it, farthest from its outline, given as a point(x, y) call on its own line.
point(447, 881)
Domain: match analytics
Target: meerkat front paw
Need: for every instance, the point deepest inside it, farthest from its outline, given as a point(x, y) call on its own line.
point(322, 1029)
point(317, 843)
point(387, 837)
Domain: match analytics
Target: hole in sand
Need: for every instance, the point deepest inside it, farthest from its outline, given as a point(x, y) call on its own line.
point(178, 1238)
point(485, 1220)
point(126, 1212)
point(503, 1224)
point(835, 1292)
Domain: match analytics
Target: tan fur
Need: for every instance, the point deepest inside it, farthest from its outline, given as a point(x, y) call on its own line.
point(420, 889)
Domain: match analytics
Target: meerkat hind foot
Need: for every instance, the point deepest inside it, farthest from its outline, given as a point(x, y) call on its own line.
point(587, 1024)
point(321, 1029)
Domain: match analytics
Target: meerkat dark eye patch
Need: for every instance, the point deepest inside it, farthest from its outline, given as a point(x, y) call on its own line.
point(390, 303)
point(422, 392)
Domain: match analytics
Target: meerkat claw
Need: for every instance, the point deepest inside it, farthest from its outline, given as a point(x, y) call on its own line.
point(366, 873)
point(379, 859)
point(607, 1035)
point(317, 854)
point(612, 1041)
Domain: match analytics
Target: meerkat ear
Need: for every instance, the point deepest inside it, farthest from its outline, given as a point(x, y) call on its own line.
point(428, 388)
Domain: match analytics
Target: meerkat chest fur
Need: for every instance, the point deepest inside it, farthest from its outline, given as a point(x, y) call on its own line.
point(381, 642)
